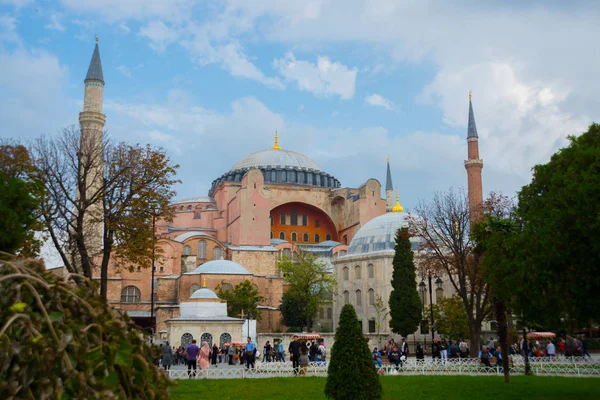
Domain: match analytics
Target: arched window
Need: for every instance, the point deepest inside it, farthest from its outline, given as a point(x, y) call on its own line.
point(294, 237)
point(187, 250)
point(224, 338)
point(217, 253)
point(305, 238)
point(193, 288)
point(304, 219)
point(329, 313)
point(206, 337)
point(226, 287)
point(371, 297)
point(197, 214)
point(358, 298)
point(294, 217)
point(282, 219)
point(282, 235)
point(202, 249)
point(346, 272)
point(346, 297)
point(370, 271)
point(328, 236)
point(317, 238)
point(130, 294)
point(357, 272)
point(287, 253)
point(186, 340)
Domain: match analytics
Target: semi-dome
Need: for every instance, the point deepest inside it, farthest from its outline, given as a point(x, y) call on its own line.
point(204, 293)
point(279, 166)
point(222, 267)
point(379, 234)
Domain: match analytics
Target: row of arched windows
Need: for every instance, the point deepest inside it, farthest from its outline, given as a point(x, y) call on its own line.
point(358, 272)
point(358, 297)
point(201, 254)
point(305, 237)
point(186, 339)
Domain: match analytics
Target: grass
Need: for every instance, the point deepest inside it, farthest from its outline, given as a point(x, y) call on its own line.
point(396, 387)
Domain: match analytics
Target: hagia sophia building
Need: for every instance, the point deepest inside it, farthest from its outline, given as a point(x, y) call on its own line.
point(271, 203)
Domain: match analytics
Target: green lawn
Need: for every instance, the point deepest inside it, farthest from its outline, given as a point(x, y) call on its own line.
point(396, 387)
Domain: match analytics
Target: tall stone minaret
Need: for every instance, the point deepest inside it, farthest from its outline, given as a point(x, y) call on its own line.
point(473, 165)
point(91, 122)
point(389, 189)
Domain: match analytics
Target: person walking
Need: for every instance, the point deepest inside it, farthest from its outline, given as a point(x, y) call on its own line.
point(230, 353)
point(167, 356)
point(191, 354)
point(435, 349)
point(203, 356)
point(250, 353)
point(280, 352)
point(313, 350)
point(294, 349)
point(444, 350)
point(303, 359)
point(214, 355)
point(420, 352)
point(322, 352)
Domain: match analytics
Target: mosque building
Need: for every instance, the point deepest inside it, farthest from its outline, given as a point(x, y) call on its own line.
point(271, 203)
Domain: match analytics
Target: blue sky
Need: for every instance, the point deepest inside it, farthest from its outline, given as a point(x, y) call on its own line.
point(345, 82)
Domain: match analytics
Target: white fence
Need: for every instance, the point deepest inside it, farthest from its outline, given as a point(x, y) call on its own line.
point(561, 366)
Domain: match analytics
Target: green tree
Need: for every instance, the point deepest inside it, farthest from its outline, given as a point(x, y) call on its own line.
point(244, 296)
point(557, 251)
point(405, 305)
point(20, 195)
point(293, 311)
point(351, 373)
point(450, 317)
point(310, 284)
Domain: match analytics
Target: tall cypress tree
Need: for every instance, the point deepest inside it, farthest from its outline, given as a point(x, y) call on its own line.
point(351, 373)
point(405, 305)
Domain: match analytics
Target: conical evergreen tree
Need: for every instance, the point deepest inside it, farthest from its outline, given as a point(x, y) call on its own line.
point(351, 373)
point(405, 305)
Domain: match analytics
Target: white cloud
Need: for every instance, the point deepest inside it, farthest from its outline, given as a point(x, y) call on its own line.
point(124, 28)
point(118, 10)
point(234, 60)
point(16, 3)
point(55, 23)
point(8, 30)
point(159, 34)
point(323, 79)
point(128, 71)
point(378, 100)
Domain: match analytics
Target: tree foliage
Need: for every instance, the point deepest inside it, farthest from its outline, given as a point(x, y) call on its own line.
point(405, 305)
point(351, 373)
point(58, 341)
point(244, 296)
point(310, 284)
point(450, 317)
point(20, 195)
point(292, 310)
point(98, 216)
point(446, 248)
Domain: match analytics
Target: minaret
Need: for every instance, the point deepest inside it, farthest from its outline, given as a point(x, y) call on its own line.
point(389, 189)
point(91, 122)
point(473, 166)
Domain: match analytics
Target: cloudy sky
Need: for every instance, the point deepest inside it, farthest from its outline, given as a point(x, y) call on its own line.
point(345, 82)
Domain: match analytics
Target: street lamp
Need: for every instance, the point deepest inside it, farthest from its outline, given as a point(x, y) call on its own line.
point(152, 324)
point(439, 283)
point(248, 316)
point(431, 309)
point(422, 291)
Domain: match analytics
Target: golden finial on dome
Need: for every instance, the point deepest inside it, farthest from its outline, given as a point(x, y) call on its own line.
point(397, 207)
point(204, 282)
point(470, 96)
point(96, 38)
point(276, 145)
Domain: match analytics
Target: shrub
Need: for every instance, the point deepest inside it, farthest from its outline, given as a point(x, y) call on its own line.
point(59, 341)
point(352, 373)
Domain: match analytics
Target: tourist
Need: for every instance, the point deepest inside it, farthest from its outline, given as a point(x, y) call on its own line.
point(314, 349)
point(584, 346)
point(267, 352)
point(491, 346)
point(214, 355)
point(303, 359)
point(394, 356)
point(404, 347)
point(435, 349)
point(250, 353)
point(420, 352)
point(454, 349)
point(322, 352)
point(203, 356)
point(191, 355)
point(484, 356)
point(294, 349)
point(280, 352)
point(167, 356)
point(444, 350)
point(231, 353)
point(499, 356)
point(550, 350)
point(377, 358)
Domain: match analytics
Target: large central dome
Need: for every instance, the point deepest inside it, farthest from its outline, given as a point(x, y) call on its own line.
point(276, 158)
point(279, 166)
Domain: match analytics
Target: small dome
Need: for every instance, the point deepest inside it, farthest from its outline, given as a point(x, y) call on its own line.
point(276, 158)
point(222, 267)
point(379, 234)
point(204, 293)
